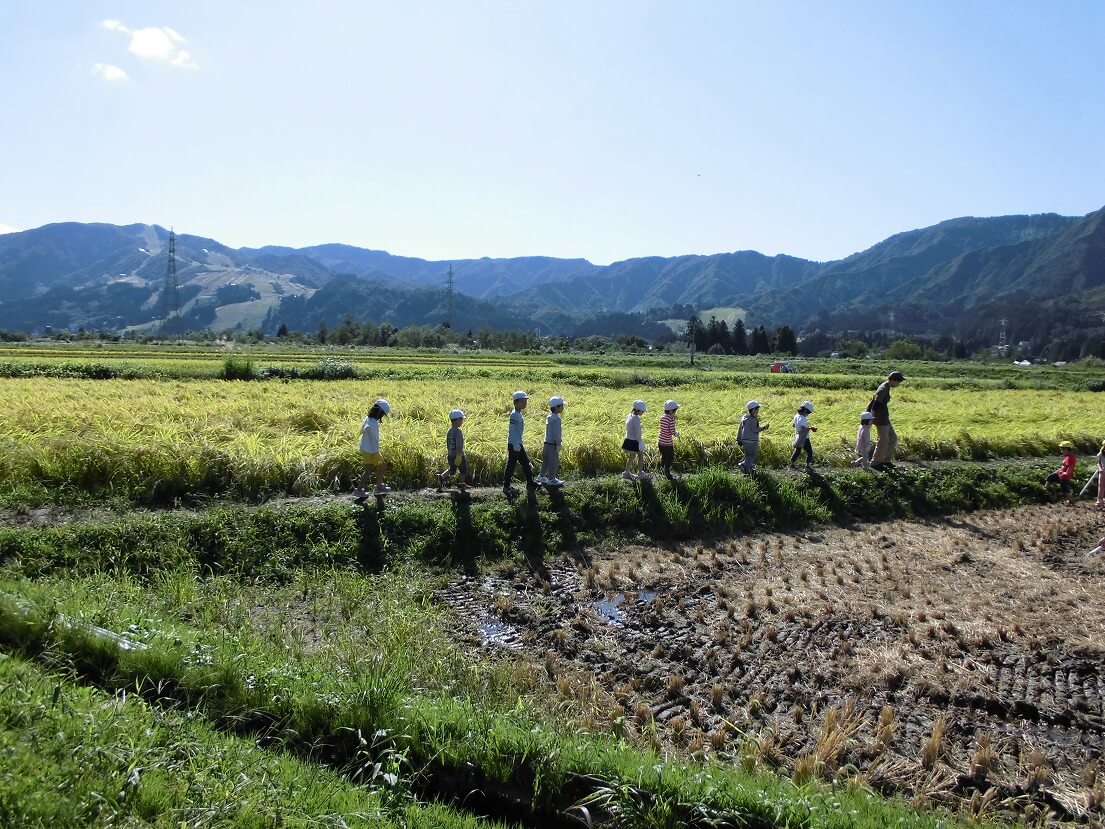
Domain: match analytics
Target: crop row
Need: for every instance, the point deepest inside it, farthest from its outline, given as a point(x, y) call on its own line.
point(154, 441)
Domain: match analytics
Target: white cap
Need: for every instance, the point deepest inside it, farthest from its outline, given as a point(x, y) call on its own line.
point(807, 405)
point(753, 404)
point(640, 406)
point(866, 416)
point(670, 405)
point(383, 405)
point(519, 395)
point(556, 401)
point(456, 413)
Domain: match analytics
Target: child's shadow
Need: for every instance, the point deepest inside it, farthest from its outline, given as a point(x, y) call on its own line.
point(566, 525)
point(533, 536)
point(466, 541)
point(370, 547)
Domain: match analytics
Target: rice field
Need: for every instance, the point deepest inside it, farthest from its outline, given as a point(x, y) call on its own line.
point(159, 438)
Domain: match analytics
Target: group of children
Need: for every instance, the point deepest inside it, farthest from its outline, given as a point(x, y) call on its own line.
point(748, 437)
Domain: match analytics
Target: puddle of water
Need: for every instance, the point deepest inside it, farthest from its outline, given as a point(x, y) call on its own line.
point(611, 610)
point(497, 633)
point(647, 596)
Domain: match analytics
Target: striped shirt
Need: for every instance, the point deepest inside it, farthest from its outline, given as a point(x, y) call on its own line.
point(667, 429)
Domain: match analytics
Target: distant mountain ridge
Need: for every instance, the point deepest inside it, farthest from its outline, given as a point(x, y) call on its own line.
point(929, 280)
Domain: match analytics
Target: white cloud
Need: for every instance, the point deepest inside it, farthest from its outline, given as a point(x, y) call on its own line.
point(109, 72)
point(7, 229)
point(155, 43)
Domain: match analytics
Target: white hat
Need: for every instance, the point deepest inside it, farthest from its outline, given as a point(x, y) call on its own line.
point(383, 405)
point(456, 413)
point(866, 416)
point(807, 405)
point(670, 405)
point(753, 404)
point(519, 395)
point(556, 401)
point(640, 406)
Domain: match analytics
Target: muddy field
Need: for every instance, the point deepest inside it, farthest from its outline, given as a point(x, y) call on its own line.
point(959, 661)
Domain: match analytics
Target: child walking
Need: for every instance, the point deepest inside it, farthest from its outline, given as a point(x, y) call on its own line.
point(666, 441)
point(1065, 473)
point(748, 436)
point(863, 441)
point(370, 450)
point(550, 456)
point(454, 448)
point(515, 450)
point(802, 431)
point(634, 443)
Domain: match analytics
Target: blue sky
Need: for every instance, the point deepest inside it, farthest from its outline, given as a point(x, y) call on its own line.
point(597, 129)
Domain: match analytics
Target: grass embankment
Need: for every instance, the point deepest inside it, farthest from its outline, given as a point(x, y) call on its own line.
point(272, 540)
point(75, 757)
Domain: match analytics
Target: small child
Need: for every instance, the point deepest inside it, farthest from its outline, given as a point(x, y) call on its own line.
point(634, 443)
point(863, 441)
point(748, 436)
point(802, 431)
point(454, 448)
point(370, 450)
point(1101, 477)
point(515, 449)
point(1065, 473)
point(666, 441)
point(550, 456)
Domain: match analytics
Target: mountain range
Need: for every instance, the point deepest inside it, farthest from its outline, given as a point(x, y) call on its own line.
point(948, 278)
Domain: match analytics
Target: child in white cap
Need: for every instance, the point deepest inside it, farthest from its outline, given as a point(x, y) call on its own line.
point(666, 440)
point(863, 441)
point(515, 449)
point(550, 456)
point(634, 443)
point(454, 448)
point(370, 450)
point(802, 431)
point(748, 436)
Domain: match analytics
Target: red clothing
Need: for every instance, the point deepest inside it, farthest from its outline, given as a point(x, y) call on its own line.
point(667, 429)
point(1066, 471)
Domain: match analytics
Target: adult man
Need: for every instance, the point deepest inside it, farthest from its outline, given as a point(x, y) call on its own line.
point(879, 407)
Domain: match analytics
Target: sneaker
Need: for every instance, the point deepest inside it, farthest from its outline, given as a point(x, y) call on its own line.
point(510, 492)
point(532, 485)
point(809, 467)
point(382, 489)
point(463, 487)
point(541, 479)
point(628, 476)
point(643, 476)
point(440, 481)
point(553, 482)
point(359, 493)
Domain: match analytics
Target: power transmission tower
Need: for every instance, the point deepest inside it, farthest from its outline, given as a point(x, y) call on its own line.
point(1003, 344)
point(450, 307)
point(171, 324)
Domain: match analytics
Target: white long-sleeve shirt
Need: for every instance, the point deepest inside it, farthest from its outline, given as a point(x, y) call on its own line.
point(633, 431)
point(552, 428)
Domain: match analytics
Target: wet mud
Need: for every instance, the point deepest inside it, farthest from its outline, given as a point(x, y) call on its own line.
point(959, 661)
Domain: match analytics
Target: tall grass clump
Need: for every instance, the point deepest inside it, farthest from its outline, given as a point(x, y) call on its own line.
point(238, 368)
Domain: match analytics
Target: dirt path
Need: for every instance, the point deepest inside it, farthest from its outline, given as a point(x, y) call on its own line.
point(54, 514)
point(950, 660)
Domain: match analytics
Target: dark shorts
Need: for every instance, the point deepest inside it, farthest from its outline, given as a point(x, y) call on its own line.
point(630, 445)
